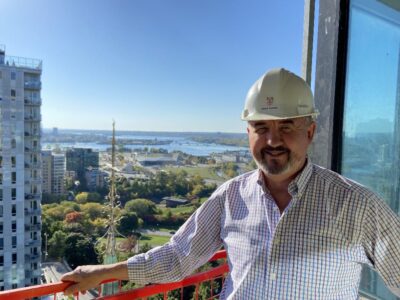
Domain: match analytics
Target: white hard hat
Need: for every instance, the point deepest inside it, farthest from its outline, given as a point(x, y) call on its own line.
point(279, 94)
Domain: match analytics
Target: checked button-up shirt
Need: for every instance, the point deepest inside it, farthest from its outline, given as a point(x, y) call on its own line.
point(313, 250)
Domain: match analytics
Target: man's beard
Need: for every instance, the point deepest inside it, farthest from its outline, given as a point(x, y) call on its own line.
point(275, 166)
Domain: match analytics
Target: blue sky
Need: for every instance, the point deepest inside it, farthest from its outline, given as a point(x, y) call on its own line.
point(152, 65)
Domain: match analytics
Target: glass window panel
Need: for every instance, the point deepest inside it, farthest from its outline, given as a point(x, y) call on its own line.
point(371, 128)
point(14, 258)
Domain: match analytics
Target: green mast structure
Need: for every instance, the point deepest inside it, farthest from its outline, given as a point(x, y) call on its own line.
point(110, 255)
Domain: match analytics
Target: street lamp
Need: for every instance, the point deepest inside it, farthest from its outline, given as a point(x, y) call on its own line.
point(45, 246)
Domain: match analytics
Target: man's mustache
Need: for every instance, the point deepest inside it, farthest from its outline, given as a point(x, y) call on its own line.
point(270, 149)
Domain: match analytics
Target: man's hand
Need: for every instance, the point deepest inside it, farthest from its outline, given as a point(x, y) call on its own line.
point(89, 277)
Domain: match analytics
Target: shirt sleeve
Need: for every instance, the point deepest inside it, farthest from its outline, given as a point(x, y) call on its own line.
point(382, 242)
point(191, 246)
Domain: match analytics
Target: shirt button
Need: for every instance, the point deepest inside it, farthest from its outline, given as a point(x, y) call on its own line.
point(272, 276)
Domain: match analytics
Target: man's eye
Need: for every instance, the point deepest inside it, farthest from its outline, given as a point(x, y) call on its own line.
point(286, 129)
point(261, 130)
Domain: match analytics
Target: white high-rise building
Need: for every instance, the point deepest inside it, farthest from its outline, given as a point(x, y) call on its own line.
point(53, 173)
point(47, 162)
point(20, 171)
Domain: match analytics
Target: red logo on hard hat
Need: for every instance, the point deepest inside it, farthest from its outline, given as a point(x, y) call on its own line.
point(270, 101)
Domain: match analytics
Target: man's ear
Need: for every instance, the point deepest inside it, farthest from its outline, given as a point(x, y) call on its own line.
point(311, 131)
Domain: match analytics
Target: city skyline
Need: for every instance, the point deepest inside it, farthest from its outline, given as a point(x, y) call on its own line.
point(151, 66)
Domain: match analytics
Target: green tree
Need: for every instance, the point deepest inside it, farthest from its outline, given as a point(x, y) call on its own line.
point(56, 244)
point(50, 198)
point(79, 250)
point(99, 226)
point(95, 197)
point(92, 210)
point(82, 197)
point(128, 222)
point(144, 248)
point(230, 169)
point(142, 207)
point(203, 190)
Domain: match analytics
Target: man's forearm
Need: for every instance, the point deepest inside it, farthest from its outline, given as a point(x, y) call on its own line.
point(88, 277)
point(116, 271)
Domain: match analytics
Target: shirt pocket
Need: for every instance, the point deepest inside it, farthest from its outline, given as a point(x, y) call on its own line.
point(243, 242)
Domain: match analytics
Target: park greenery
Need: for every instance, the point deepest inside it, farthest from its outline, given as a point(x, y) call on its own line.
point(240, 141)
point(74, 228)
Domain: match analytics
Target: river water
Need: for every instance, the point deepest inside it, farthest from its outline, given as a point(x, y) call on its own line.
point(178, 144)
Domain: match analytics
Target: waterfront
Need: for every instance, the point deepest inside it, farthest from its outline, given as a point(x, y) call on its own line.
point(170, 143)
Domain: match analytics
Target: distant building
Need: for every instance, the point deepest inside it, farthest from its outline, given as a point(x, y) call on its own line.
point(70, 175)
point(128, 169)
point(79, 159)
point(58, 184)
point(163, 160)
point(95, 178)
point(220, 158)
point(232, 156)
point(20, 171)
point(53, 173)
point(55, 131)
point(174, 202)
point(46, 171)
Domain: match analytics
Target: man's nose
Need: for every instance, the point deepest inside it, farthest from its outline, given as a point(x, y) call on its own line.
point(273, 138)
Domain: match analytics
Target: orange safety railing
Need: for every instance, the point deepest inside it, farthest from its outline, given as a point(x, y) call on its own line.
point(190, 284)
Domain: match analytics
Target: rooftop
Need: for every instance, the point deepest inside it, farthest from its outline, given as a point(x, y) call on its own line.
point(19, 62)
point(22, 62)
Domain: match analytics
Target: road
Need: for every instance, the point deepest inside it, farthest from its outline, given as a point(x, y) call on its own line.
point(53, 271)
point(155, 232)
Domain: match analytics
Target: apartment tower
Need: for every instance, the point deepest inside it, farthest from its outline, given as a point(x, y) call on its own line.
point(20, 171)
point(53, 173)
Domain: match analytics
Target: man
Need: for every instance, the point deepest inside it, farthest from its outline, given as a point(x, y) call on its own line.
point(291, 229)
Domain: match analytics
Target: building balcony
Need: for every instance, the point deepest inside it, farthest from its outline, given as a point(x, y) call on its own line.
point(33, 118)
point(32, 102)
point(212, 279)
point(33, 181)
point(32, 212)
point(32, 196)
point(34, 134)
point(33, 85)
point(32, 165)
point(32, 149)
point(32, 243)
point(33, 227)
point(31, 257)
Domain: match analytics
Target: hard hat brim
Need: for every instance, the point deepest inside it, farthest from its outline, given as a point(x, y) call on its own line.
point(265, 117)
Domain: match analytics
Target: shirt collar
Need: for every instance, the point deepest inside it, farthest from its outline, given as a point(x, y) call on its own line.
point(299, 184)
